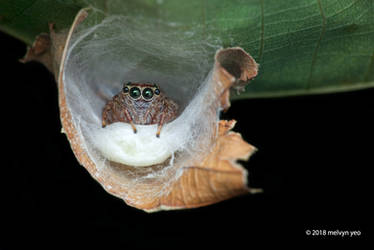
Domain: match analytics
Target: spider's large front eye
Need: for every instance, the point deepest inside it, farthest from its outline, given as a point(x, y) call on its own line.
point(135, 92)
point(147, 93)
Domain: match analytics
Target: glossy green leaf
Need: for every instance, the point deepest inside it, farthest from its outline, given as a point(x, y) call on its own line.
point(302, 46)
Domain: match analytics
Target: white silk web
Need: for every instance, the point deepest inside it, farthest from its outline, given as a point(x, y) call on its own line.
point(119, 49)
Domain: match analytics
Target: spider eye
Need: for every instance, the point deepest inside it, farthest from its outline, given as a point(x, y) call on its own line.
point(157, 91)
point(147, 93)
point(135, 92)
point(125, 89)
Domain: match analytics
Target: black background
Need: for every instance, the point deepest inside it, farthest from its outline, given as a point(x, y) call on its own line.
point(314, 163)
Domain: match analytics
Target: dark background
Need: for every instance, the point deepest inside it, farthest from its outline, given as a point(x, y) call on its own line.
point(314, 161)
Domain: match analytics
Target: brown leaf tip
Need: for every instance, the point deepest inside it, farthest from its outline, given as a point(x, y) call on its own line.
point(38, 50)
point(238, 63)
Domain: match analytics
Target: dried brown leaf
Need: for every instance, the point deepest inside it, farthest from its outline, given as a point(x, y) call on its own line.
point(193, 183)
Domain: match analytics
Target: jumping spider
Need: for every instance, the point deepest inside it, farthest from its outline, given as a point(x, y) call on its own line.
point(140, 103)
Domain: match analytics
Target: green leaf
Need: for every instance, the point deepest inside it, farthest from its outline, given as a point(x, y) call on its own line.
point(25, 19)
point(302, 46)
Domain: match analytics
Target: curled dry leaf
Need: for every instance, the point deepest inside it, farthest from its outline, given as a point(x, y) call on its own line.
point(39, 51)
point(217, 177)
point(204, 173)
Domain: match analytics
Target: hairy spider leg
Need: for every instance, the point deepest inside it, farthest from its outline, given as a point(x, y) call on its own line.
point(160, 124)
point(129, 118)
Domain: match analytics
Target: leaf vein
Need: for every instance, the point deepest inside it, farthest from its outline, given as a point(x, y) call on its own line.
point(370, 68)
point(284, 33)
point(289, 9)
point(314, 57)
point(345, 8)
point(293, 20)
point(262, 32)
